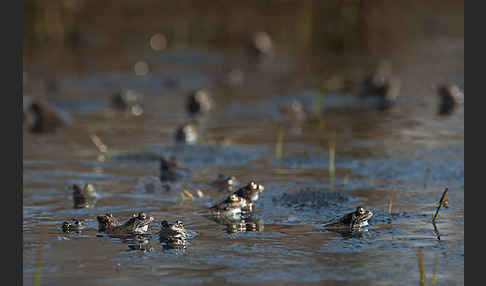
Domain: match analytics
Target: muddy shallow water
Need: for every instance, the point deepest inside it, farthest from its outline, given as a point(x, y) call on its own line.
point(409, 149)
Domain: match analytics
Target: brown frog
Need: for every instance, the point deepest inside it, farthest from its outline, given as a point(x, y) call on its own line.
point(173, 235)
point(231, 206)
point(239, 202)
point(250, 193)
point(137, 224)
point(73, 225)
point(450, 97)
point(199, 102)
point(41, 117)
point(172, 170)
point(382, 86)
point(351, 221)
point(186, 134)
point(128, 100)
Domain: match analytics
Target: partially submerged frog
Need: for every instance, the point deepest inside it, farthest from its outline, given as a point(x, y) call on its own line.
point(250, 193)
point(137, 224)
point(171, 170)
point(173, 235)
point(199, 102)
point(129, 100)
point(351, 221)
point(186, 134)
point(84, 196)
point(239, 202)
point(41, 117)
point(73, 225)
point(107, 221)
point(261, 48)
point(382, 86)
point(231, 206)
point(450, 97)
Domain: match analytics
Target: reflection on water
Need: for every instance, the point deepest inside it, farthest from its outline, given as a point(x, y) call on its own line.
point(289, 119)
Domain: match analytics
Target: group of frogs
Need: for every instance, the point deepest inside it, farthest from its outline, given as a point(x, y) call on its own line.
point(235, 211)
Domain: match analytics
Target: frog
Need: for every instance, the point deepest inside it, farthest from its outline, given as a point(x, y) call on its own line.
point(43, 118)
point(250, 193)
point(239, 202)
point(199, 102)
point(186, 134)
point(173, 235)
point(128, 100)
point(450, 97)
point(171, 170)
point(352, 221)
point(136, 225)
point(231, 206)
point(74, 225)
point(380, 85)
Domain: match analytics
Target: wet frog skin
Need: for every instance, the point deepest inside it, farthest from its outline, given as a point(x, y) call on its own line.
point(352, 221)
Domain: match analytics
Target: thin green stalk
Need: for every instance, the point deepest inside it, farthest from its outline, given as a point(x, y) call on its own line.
point(441, 203)
point(279, 144)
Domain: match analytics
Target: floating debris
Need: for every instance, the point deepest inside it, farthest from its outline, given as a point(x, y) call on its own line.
point(98, 143)
point(390, 201)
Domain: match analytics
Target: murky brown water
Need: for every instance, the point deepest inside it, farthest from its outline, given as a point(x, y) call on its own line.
point(409, 149)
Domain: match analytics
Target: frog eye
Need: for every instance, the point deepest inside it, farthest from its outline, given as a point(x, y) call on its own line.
point(142, 215)
point(253, 185)
point(360, 210)
point(233, 198)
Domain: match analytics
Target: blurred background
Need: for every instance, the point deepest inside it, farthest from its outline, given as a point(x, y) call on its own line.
point(76, 36)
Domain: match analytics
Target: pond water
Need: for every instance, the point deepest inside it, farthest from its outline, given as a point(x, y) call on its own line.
point(344, 155)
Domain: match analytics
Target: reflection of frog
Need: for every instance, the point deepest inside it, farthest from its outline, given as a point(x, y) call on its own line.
point(351, 221)
point(84, 196)
point(137, 224)
point(239, 224)
point(73, 225)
